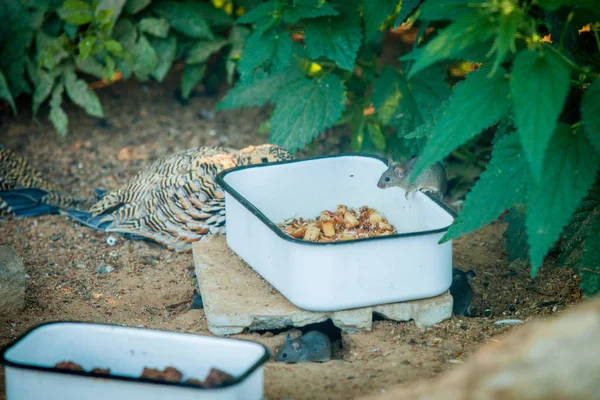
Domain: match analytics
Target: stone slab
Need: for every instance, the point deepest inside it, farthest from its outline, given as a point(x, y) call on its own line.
point(237, 298)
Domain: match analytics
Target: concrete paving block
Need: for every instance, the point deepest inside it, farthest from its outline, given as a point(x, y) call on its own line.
point(237, 298)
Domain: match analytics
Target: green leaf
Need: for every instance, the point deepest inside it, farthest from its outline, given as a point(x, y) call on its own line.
point(375, 13)
point(566, 178)
point(445, 10)
point(306, 108)
point(183, 18)
point(165, 51)
point(5, 93)
point(421, 97)
point(115, 48)
point(589, 270)
point(192, 74)
point(305, 9)
point(109, 11)
point(336, 38)
point(17, 81)
point(135, 6)
point(202, 50)
point(58, 117)
point(500, 186)
point(405, 9)
point(508, 25)
point(52, 50)
point(265, 16)
point(516, 235)
point(92, 67)
point(214, 16)
point(145, 59)
point(80, 94)
point(158, 27)
point(590, 113)
point(76, 12)
point(376, 136)
point(386, 94)
point(271, 51)
point(257, 92)
point(43, 87)
point(579, 227)
point(85, 47)
point(451, 41)
point(539, 88)
point(109, 70)
point(237, 38)
point(477, 103)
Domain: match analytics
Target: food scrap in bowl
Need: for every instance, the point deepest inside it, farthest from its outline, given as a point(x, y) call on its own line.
point(343, 224)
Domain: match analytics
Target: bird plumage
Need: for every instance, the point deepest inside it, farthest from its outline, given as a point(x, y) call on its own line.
point(175, 200)
point(24, 192)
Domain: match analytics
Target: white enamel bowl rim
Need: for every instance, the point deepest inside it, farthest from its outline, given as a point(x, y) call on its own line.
point(273, 226)
point(238, 379)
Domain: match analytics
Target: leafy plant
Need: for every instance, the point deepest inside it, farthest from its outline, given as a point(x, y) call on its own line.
point(318, 63)
point(46, 44)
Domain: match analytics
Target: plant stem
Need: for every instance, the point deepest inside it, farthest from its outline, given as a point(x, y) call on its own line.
point(566, 59)
point(564, 30)
point(597, 38)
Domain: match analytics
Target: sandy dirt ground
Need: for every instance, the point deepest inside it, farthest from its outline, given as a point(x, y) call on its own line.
point(153, 287)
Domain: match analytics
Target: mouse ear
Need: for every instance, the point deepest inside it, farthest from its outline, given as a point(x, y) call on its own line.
point(390, 161)
point(399, 169)
point(471, 274)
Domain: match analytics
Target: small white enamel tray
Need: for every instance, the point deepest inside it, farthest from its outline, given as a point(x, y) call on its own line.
point(336, 276)
point(126, 351)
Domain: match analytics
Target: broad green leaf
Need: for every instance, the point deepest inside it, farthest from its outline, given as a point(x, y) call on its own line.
point(590, 113)
point(516, 235)
point(145, 59)
point(376, 136)
point(477, 103)
point(453, 40)
point(271, 51)
point(336, 38)
point(566, 178)
point(80, 94)
point(158, 27)
point(165, 51)
point(135, 6)
point(237, 38)
point(589, 269)
point(54, 50)
point(257, 92)
point(5, 93)
point(422, 95)
point(58, 117)
point(539, 88)
point(305, 9)
point(91, 66)
point(202, 50)
point(386, 94)
point(500, 186)
point(192, 74)
point(109, 10)
point(15, 49)
point(76, 12)
point(405, 9)
point(579, 226)
point(305, 109)
point(109, 70)
point(508, 25)
point(375, 13)
point(183, 18)
point(449, 10)
point(265, 16)
point(85, 47)
point(43, 86)
point(115, 48)
point(214, 16)
point(17, 81)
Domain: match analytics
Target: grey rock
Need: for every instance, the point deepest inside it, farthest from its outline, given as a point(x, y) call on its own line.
point(104, 269)
point(12, 282)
